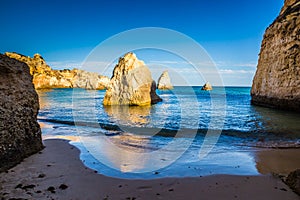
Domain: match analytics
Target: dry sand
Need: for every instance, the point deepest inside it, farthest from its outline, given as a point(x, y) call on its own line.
point(58, 173)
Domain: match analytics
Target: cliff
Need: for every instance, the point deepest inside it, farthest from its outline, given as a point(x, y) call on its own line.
point(20, 134)
point(131, 84)
point(277, 79)
point(44, 77)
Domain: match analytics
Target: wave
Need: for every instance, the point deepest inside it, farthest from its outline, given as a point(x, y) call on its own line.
point(258, 138)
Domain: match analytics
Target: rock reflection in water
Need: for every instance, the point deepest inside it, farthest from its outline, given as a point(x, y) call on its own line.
point(129, 115)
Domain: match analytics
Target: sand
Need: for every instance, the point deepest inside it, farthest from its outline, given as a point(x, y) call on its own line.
point(58, 173)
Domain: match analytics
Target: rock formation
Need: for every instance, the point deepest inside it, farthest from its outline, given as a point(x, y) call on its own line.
point(293, 181)
point(207, 86)
point(45, 77)
point(131, 84)
point(20, 134)
point(277, 79)
point(164, 82)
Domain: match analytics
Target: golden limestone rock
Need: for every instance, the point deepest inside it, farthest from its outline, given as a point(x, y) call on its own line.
point(44, 77)
point(131, 84)
point(207, 86)
point(164, 81)
point(277, 79)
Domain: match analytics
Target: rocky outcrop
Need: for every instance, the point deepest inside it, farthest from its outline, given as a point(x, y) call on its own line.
point(20, 134)
point(293, 181)
point(131, 84)
point(277, 79)
point(89, 80)
point(164, 82)
point(207, 86)
point(44, 77)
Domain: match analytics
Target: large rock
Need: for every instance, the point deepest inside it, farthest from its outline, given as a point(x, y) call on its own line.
point(131, 84)
point(164, 82)
point(44, 77)
point(207, 86)
point(277, 79)
point(293, 181)
point(20, 134)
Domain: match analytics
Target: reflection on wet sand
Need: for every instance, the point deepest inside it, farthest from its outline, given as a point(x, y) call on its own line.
point(279, 161)
point(129, 115)
point(118, 152)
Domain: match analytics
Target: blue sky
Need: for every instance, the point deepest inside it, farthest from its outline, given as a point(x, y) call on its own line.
point(64, 32)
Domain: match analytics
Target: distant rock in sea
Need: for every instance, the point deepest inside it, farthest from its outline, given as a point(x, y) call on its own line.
point(20, 134)
point(131, 84)
point(207, 86)
point(164, 82)
point(277, 80)
point(44, 77)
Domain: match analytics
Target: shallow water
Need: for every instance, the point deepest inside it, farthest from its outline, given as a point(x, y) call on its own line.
point(190, 133)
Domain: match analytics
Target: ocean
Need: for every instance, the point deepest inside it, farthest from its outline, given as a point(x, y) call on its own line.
point(190, 133)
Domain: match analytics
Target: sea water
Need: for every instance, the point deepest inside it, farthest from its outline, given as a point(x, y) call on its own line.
point(190, 133)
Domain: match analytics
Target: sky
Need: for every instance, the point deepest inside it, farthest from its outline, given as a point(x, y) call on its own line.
point(65, 32)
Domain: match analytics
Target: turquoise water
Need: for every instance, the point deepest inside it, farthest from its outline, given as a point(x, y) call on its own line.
point(190, 133)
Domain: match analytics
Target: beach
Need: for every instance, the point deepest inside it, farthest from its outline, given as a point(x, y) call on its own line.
point(58, 173)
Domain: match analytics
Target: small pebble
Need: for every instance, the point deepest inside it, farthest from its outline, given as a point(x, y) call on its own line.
point(63, 187)
point(41, 175)
point(51, 189)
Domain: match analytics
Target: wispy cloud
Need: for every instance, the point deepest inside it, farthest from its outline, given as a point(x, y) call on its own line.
point(230, 71)
point(236, 64)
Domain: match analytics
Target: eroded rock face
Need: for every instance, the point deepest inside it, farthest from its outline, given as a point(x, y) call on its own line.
point(207, 86)
point(131, 84)
point(20, 134)
point(44, 77)
point(277, 79)
point(164, 82)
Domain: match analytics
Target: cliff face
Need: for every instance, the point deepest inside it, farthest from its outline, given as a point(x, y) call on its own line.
point(277, 79)
point(20, 134)
point(131, 84)
point(45, 77)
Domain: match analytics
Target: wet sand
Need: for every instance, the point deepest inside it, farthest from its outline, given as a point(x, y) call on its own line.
point(58, 173)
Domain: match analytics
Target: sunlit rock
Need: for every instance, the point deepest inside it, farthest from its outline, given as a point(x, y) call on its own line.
point(164, 82)
point(276, 82)
point(131, 84)
point(207, 86)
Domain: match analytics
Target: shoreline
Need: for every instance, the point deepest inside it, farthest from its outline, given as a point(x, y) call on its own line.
point(58, 173)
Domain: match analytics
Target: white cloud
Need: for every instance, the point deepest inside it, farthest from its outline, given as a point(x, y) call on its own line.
point(230, 71)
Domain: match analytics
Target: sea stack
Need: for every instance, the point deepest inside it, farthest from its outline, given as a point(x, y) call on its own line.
point(164, 82)
point(20, 133)
point(131, 84)
point(277, 80)
point(207, 86)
